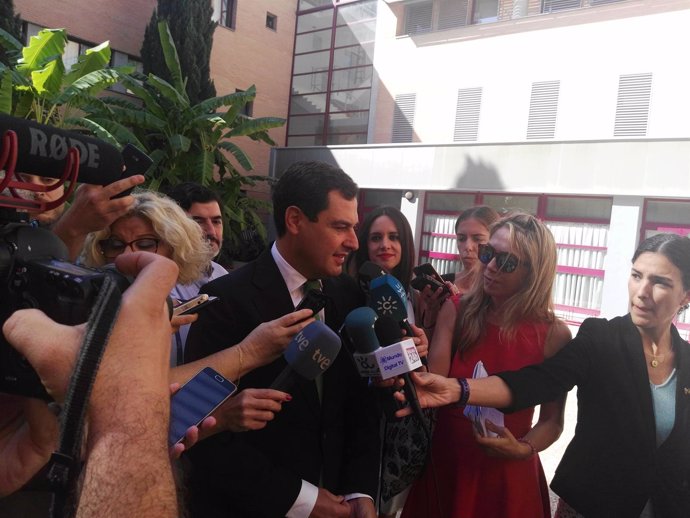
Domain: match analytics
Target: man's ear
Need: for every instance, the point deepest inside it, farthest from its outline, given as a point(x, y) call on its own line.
point(294, 218)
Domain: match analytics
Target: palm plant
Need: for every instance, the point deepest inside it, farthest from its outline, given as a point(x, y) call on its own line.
point(37, 85)
point(187, 142)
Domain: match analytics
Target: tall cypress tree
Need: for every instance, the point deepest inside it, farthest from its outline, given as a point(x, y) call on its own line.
point(10, 23)
point(192, 29)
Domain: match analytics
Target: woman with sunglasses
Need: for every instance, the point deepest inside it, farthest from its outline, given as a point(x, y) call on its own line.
point(506, 321)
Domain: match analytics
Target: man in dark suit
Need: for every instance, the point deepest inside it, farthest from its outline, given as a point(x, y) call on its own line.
point(319, 456)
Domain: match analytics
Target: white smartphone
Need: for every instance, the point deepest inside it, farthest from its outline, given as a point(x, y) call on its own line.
point(196, 400)
point(188, 307)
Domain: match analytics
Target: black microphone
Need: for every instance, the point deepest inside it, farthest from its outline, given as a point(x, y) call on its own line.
point(42, 151)
point(359, 328)
point(368, 272)
point(310, 353)
point(389, 335)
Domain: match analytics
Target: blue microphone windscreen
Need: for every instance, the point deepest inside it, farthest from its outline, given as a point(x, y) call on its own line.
point(388, 297)
point(312, 350)
point(359, 324)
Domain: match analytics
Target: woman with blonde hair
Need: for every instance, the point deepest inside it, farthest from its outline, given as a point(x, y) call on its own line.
point(154, 223)
point(505, 321)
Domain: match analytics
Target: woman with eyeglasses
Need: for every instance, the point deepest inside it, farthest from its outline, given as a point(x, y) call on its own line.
point(630, 456)
point(505, 321)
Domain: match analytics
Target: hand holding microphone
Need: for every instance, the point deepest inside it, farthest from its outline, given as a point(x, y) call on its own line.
point(310, 353)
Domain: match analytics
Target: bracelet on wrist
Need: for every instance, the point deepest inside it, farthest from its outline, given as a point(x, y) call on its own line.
point(526, 441)
point(464, 392)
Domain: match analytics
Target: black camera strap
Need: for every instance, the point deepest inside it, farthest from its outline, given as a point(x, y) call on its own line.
point(64, 466)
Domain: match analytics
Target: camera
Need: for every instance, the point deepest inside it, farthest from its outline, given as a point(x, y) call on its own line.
point(35, 274)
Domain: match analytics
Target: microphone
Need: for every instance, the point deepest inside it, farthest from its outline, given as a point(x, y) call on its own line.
point(359, 327)
point(310, 353)
point(388, 299)
point(402, 358)
point(367, 272)
point(42, 150)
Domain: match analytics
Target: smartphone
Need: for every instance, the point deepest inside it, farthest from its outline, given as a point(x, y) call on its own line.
point(136, 162)
point(426, 275)
point(314, 300)
point(191, 306)
point(196, 400)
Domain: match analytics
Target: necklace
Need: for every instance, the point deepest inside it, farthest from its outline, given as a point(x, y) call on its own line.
point(656, 359)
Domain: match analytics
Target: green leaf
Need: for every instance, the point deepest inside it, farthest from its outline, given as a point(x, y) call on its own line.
point(237, 108)
point(172, 60)
point(47, 43)
point(134, 86)
point(205, 166)
point(180, 143)
point(6, 92)
point(107, 130)
point(48, 80)
point(89, 84)
point(245, 126)
point(9, 42)
point(138, 118)
point(96, 58)
point(168, 91)
point(238, 99)
point(239, 155)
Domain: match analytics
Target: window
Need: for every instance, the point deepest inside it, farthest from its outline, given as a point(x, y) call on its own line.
point(418, 18)
point(551, 6)
point(272, 21)
point(228, 11)
point(248, 108)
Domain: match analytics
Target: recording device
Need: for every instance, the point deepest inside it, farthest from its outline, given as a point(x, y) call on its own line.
point(425, 275)
point(194, 305)
point(387, 298)
point(359, 328)
point(314, 300)
point(35, 274)
point(196, 400)
point(310, 353)
point(34, 271)
point(388, 333)
point(368, 272)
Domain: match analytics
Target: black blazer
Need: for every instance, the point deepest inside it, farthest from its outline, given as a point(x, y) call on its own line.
point(613, 466)
point(258, 474)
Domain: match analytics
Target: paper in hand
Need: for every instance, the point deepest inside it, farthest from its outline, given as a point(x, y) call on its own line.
point(479, 414)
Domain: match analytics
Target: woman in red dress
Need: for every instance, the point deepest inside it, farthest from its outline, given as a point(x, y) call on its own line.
point(505, 321)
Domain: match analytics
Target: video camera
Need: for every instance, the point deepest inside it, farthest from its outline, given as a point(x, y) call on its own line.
point(34, 270)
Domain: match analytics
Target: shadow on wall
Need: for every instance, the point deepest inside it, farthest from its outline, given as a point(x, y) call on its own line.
point(478, 175)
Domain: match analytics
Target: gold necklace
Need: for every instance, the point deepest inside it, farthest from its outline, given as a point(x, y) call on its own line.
point(656, 359)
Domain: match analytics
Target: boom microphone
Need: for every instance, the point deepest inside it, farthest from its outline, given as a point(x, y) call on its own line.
point(310, 353)
point(368, 272)
point(42, 151)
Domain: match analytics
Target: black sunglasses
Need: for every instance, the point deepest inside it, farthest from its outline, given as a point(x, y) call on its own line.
point(111, 247)
point(505, 261)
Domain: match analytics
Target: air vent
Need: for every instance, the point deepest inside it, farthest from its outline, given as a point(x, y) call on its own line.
point(632, 108)
point(403, 118)
point(467, 114)
point(543, 108)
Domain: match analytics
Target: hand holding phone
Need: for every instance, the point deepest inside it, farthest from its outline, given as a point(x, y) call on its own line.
point(191, 306)
point(426, 275)
point(314, 300)
point(196, 400)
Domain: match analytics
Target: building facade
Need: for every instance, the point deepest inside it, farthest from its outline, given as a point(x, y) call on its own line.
point(574, 110)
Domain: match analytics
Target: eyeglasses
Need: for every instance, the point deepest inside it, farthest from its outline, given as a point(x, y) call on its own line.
point(505, 261)
point(113, 247)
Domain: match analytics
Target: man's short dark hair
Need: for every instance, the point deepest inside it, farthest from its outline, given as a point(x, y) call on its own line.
point(306, 185)
point(186, 194)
